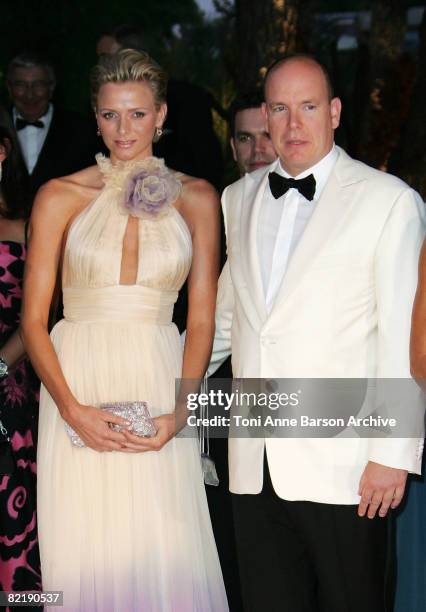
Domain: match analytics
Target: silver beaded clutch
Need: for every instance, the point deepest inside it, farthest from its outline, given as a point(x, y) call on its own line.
point(135, 413)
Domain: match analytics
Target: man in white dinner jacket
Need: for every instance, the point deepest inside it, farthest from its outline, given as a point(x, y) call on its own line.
point(319, 283)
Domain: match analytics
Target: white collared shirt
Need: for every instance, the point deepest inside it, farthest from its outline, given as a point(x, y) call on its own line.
point(282, 222)
point(32, 138)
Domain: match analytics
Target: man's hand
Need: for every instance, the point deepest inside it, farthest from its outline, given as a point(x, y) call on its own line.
point(380, 487)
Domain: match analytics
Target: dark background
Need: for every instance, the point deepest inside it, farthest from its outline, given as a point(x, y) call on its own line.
point(375, 51)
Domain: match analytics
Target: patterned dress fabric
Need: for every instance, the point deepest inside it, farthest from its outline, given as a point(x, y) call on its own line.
point(19, 554)
point(123, 532)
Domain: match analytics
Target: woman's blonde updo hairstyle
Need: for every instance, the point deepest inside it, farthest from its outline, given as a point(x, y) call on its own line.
point(129, 65)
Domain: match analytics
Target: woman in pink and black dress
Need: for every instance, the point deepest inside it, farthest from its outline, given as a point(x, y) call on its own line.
point(19, 555)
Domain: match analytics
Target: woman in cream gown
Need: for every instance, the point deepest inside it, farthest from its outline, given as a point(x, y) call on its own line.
point(126, 530)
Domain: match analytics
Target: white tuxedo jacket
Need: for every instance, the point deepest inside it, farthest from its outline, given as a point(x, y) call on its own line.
point(343, 311)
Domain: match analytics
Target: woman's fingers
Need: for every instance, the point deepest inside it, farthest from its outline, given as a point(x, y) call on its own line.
point(110, 417)
point(136, 442)
point(93, 428)
point(165, 431)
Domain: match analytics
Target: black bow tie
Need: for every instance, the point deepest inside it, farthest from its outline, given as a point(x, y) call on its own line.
point(23, 123)
point(279, 185)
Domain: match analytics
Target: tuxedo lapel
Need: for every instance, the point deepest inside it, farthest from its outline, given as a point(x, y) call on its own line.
point(330, 208)
point(12, 125)
point(250, 207)
point(51, 148)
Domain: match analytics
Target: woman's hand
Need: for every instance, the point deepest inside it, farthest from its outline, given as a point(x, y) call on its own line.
point(166, 429)
point(91, 424)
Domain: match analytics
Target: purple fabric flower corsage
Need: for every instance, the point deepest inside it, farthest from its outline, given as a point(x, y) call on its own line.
point(151, 190)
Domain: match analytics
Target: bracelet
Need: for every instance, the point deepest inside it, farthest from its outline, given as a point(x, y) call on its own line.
point(4, 368)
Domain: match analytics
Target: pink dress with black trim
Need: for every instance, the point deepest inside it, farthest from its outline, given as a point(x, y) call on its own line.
point(19, 554)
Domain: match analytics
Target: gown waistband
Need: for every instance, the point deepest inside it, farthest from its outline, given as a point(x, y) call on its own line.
point(133, 303)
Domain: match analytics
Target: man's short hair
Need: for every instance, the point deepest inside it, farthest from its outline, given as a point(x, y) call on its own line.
point(302, 56)
point(30, 58)
point(250, 99)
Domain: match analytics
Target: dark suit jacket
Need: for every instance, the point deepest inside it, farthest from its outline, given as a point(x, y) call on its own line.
point(70, 145)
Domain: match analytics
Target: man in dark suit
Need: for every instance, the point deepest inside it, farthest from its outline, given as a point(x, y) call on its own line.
point(53, 142)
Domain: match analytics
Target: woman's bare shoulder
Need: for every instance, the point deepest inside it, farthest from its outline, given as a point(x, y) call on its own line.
point(12, 229)
point(81, 182)
point(198, 202)
point(193, 186)
point(65, 196)
point(198, 192)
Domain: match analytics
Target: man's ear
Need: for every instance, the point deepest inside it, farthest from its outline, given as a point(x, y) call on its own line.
point(335, 111)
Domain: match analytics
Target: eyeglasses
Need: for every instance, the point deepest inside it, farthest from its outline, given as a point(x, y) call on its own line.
point(38, 87)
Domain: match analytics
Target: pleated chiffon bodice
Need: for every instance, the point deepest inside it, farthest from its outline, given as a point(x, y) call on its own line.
point(93, 255)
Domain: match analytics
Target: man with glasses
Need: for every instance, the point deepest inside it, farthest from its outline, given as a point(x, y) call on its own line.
point(53, 142)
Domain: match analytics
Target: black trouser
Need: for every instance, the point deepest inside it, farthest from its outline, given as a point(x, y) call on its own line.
point(310, 557)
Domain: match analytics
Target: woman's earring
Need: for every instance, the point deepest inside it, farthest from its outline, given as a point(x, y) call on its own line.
point(158, 134)
point(98, 132)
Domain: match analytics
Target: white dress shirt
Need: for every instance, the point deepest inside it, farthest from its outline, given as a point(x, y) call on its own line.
point(32, 138)
point(282, 222)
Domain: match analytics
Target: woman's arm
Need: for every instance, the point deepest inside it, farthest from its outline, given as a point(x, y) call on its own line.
point(53, 209)
point(201, 212)
point(12, 350)
point(418, 326)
